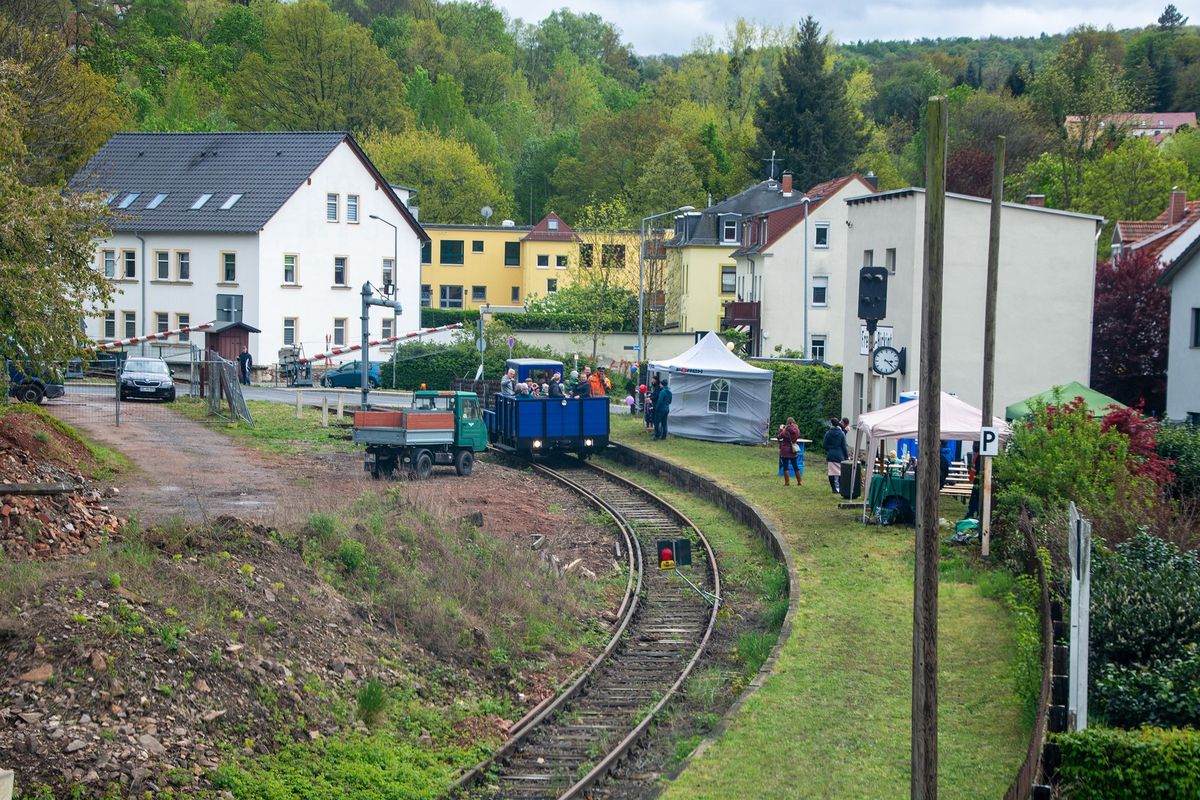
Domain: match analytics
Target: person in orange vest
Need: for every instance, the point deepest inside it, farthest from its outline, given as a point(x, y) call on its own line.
point(596, 384)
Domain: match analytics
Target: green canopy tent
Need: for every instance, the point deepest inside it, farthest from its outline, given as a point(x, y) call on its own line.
point(1095, 401)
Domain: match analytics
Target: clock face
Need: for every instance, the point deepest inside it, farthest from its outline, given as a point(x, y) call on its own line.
point(885, 360)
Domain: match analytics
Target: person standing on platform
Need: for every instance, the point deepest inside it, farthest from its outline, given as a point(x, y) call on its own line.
point(662, 409)
point(788, 436)
point(836, 451)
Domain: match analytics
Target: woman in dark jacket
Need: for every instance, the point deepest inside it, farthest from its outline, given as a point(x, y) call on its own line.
point(788, 435)
point(836, 451)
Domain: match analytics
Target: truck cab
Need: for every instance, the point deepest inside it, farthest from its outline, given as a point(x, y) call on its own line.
point(439, 428)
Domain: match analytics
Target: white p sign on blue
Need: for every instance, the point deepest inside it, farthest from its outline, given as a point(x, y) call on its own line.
point(989, 442)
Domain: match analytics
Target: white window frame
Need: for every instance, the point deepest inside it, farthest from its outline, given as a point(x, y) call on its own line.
point(225, 264)
point(183, 321)
point(479, 297)
point(162, 265)
point(812, 346)
point(108, 324)
point(426, 295)
point(889, 260)
point(387, 328)
point(289, 336)
point(868, 258)
point(725, 271)
point(388, 273)
point(543, 261)
point(444, 301)
point(822, 282)
point(162, 322)
point(345, 267)
point(128, 260)
point(332, 201)
point(294, 268)
point(108, 263)
point(718, 396)
point(727, 226)
point(339, 331)
point(551, 285)
point(818, 228)
point(352, 209)
point(516, 294)
point(129, 323)
point(561, 262)
point(183, 265)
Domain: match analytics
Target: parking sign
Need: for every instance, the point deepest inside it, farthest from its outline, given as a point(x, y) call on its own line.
point(989, 442)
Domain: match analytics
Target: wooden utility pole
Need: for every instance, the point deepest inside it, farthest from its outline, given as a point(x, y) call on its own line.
point(925, 588)
point(989, 342)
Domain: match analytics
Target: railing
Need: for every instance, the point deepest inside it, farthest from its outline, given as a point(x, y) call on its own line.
point(737, 312)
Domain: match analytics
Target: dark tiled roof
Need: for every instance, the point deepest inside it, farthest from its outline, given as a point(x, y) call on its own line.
point(542, 233)
point(758, 198)
point(782, 219)
point(264, 168)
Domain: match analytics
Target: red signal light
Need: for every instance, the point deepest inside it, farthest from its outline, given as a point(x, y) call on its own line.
point(666, 554)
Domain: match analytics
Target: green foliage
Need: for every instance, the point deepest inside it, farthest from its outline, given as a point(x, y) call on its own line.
point(1107, 764)
point(1181, 444)
point(810, 394)
point(1167, 694)
point(1024, 603)
point(371, 701)
point(753, 648)
point(324, 526)
point(437, 317)
point(352, 554)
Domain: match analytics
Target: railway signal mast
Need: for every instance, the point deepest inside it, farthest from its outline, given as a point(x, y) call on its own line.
point(368, 300)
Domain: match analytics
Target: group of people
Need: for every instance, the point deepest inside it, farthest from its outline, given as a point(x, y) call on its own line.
point(589, 384)
point(657, 405)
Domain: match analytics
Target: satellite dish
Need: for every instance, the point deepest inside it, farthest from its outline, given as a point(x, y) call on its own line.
point(486, 211)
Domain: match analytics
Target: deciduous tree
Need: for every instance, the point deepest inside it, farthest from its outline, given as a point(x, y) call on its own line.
point(1130, 325)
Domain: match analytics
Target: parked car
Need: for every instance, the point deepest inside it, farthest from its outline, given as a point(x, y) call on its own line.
point(31, 388)
point(348, 375)
point(147, 378)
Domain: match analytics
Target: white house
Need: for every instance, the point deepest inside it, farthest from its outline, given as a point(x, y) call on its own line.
point(1183, 350)
point(1043, 302)
point(276, 230)
point(771, 264)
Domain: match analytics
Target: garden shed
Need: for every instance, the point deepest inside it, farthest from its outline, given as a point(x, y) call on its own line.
point(717, 396)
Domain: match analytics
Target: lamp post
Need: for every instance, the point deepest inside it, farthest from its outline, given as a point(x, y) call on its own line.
point(806, 200)
point(391, 282)
point(642, 277)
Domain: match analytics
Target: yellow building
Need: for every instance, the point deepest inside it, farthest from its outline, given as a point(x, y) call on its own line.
point(505, 266)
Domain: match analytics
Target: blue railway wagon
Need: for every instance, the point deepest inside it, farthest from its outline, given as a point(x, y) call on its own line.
point(532, 425)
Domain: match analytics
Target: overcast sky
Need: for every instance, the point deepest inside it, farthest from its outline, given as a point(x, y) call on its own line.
point(670, 26)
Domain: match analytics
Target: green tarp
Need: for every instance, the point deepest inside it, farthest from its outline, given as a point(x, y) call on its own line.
point(1095, 401)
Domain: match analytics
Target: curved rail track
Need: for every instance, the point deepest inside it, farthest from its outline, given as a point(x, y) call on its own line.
point(569, 746)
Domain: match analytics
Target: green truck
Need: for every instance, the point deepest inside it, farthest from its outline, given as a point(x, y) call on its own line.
point(439, 428)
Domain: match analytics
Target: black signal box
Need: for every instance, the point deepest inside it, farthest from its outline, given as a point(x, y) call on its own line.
point(680, 551)
point(872, 293)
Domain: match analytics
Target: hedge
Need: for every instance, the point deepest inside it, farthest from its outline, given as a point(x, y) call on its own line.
point(1180, 442)
point(1110, 764)
point(437, 317)
point(811, 394)
point(534, 321)
point(436, 365)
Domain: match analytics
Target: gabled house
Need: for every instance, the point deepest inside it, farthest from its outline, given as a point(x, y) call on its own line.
point(777, 245)
point(1157, 125)
point(700, 270)
point(278, 231)
point(1164, 236)
point(1183, 349)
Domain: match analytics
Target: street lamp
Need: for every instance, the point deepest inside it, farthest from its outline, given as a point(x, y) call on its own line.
point(642, 278)
point(806, 200)
point(390, 283)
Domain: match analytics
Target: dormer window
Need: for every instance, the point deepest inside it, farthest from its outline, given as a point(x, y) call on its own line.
point(729, 231)
point(552, 224)
point(200, 201)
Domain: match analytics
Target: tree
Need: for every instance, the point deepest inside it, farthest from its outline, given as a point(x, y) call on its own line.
point(1170, 19)
point(1130, 325)
point(318, 71)
point(602, 277)
point(807, 118)
point(47, 279)
point(668, 181)
point(1131, 182)
point(452, 183)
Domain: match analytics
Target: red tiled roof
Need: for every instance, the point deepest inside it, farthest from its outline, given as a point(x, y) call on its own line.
point(1156, 235)
point(542, 233)
point(781, 221)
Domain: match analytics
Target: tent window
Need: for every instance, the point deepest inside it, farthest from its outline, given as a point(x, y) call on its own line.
point(718, 396)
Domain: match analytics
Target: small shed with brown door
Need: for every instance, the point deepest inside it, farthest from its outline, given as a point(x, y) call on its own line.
point(228, 338)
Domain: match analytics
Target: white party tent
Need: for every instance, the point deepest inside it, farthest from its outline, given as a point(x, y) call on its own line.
point(715, 395)
point(960, 422)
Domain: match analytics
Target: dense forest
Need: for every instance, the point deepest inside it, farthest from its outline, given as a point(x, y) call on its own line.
point(474, 108)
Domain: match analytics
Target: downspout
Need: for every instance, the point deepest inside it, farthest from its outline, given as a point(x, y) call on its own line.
point(142, 274)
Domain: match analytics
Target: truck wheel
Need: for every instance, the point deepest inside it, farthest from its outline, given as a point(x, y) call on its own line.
point(464, 462)
point(29, 393)
point(423, 465)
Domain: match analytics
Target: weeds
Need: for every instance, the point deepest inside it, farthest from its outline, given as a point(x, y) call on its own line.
point(753, 648)
point(372, 702)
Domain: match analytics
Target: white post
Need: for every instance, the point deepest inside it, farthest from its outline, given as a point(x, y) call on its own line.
point(324, 411)
point(341, 401)
point(6, 784)
point(299, 407)
point(1079, 540)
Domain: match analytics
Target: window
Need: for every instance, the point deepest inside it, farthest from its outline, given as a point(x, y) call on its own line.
point(229, 308)
point(229, 267)
point(229, 201)
point(729, 230)
point(388, 328)
point(130, 259)
point(339, 330)
point(183, 265)
point(451, 297)
point(516, 294)
point(889, 259)
point(200, 201)
point(512, 254)
point(110, 324)
point(1196, 327)
point(892, 391)
point(585, 256)
point(452, 251)
point(858, 394)
point(128, 201)
point(426, 295)
point(718, 396)
point(477, 245)
point(339, 271)
point(816, 348)
point(543, 262)
point(1193, 418)
point(331, 208)
point(868, 258)
point(184, 321)
point(162, 262)
point(352, 208)
point(427, 252)
point(130, 324)
point(289, 330)
point(551, 285)
point(560, 262)
point(162, 322)
point(110, 263)
point(478, 294)
point(389, 271)
point(551, 224)
point(821, 234)
point(157, 201)
point(612, 256)
point(728, 280)
point(820, 290)
point(289, 268)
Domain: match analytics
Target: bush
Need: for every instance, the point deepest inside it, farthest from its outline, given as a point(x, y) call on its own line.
point(352, 554)
point(1166, 694)
point(372, 700)
point(535, 321)
point(437, 317)
point(813, 395)
point(1180, 443)
point(1108, 764)
point(436, 365)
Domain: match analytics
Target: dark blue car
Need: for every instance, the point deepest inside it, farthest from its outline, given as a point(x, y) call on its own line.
point(29, 387)
point(348, 375)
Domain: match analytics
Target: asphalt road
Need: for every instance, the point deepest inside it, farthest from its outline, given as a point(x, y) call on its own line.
point(350, 397)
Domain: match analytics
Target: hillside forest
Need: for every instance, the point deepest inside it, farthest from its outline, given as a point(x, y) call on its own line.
point(474, 108)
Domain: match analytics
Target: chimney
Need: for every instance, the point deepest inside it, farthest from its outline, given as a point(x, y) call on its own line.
point(873, 180)
point(1038, 200)
point(787, 184)
point(1178, 206)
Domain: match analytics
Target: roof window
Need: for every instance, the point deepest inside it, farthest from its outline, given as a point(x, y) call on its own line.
point(129, 198)
point(200, 201)
point(228, 204)
point(157, 201)
point(552, 224)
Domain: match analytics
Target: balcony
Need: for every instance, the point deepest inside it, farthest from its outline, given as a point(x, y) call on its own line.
point(741, 313)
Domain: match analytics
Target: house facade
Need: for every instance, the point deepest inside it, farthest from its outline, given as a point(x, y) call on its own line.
point(770, 273)
point(504, 266)
point(1043, 301)
point(1183, 349)
point(274, 230)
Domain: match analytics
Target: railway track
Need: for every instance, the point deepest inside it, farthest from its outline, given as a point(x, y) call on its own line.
point(570, 746)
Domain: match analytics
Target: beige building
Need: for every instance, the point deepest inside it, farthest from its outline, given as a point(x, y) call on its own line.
point(1043, 303)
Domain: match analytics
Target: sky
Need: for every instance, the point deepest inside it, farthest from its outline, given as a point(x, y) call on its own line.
point(671, 26)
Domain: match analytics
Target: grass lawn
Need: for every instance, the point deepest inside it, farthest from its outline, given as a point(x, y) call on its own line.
point(276, 428)
point(833, 720)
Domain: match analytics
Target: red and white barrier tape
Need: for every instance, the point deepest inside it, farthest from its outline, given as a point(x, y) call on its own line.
point(151, 337)
point(337, 351)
